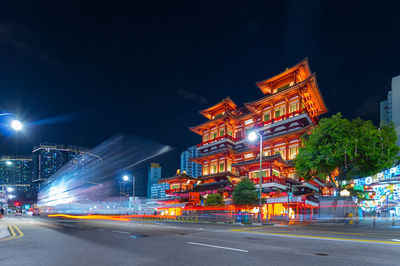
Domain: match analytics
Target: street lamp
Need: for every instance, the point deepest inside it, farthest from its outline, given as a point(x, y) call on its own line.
point(16, 125)
point(126, 178)
point(8, 163)
point(10, 189)
point(252, 137)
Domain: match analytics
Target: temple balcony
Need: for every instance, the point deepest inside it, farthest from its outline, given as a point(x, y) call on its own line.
point(218, 140)
point(284, 124)
point(271, 182)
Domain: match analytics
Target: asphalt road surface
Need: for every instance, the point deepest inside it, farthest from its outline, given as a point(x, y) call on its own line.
point(44, 241)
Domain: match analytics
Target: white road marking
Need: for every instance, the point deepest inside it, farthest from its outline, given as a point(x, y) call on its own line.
point(397, 240)
point(213, 246)
point(121, 232)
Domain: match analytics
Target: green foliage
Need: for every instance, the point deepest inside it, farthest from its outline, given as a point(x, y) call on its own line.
point(355, 148)
point(214, 200)
point(245, 193)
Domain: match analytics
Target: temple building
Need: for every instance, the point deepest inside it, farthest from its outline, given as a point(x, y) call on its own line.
point(290, 107)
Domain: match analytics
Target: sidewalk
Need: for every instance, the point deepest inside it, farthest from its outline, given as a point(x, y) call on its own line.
point(4, 232)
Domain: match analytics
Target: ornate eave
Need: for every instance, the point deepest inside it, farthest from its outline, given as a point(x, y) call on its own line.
point(300, 70)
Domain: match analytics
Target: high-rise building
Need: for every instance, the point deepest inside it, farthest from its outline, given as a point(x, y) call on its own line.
point(16, 171)
point(191, 168)
point(49, 157)
point(390, 108)
point(153, 177)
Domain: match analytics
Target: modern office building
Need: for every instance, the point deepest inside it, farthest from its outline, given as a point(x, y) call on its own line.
point(16, 171)
point(390, 108)
point(49, 157)
point(191, 168)
point(153, 176)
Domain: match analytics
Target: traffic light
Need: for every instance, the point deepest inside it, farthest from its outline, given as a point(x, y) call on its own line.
point(17, 203)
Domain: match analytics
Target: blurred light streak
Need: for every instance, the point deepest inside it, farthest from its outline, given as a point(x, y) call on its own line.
point(91, 217)
point(89, 182)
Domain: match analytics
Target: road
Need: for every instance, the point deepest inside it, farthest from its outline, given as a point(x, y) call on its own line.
point(44, 241)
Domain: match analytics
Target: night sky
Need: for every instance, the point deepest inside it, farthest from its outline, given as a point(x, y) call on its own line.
point(81, 73)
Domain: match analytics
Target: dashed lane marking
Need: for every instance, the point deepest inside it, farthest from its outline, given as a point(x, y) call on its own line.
point(121, 232)
point(214, 246)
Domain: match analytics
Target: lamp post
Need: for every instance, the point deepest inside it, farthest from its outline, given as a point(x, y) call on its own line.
point(126, 178)
point(252, 137)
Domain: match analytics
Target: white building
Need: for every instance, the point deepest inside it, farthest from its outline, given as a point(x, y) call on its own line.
point(390, 108)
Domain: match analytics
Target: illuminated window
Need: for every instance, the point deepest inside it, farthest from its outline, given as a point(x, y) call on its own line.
point(229, 166)
point(267, 116)
point(205, 169)
point(213, 168)
point(275, 172)
point(293, 152)
point(230, 133)
point(256, 174)
point(222, 132)
point(267, 153)
point(205, 138)
point(221, 167)
point(282, 152)
point(213, 135)
point(293, 107)
point(279, 111)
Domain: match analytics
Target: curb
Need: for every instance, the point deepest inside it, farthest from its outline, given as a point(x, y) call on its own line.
point(4, 231)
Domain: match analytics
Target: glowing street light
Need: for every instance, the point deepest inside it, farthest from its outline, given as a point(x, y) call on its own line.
point(8, 163)
point(10, 189)
point(252, 137)
point(126, 178)
point(16, 125)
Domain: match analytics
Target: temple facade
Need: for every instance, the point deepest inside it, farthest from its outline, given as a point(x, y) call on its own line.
point(290, 106)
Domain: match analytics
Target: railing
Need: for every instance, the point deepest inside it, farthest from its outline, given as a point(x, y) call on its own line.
point(169, 191)
point(282, 117)
point(226, 136)
point(270, 179)
point(312, 182)
point(258, 125)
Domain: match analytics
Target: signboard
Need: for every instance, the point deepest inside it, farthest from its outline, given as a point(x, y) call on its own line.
point(3, 197)
point(194, 198)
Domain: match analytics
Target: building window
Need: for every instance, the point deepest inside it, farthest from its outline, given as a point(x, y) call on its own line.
point(293, 152)
point(275, 172)
point(222, 132)
point(267, 116)
point(205, 138)
point(222, 167)
point(213, 135)
point(205, 169)
point(267, 153)
point(230, 133)
point(279, 111)
point(213, 168)
point(229, 166)
point(256, 174)
point(293, 107)
point(282, 152)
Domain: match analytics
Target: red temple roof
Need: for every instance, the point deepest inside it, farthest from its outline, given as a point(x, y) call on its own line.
point(300, 72)
point(224, 106)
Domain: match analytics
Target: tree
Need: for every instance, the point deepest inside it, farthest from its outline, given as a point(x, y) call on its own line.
point(245, 193)
point(344, 150)
point(214, 200)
